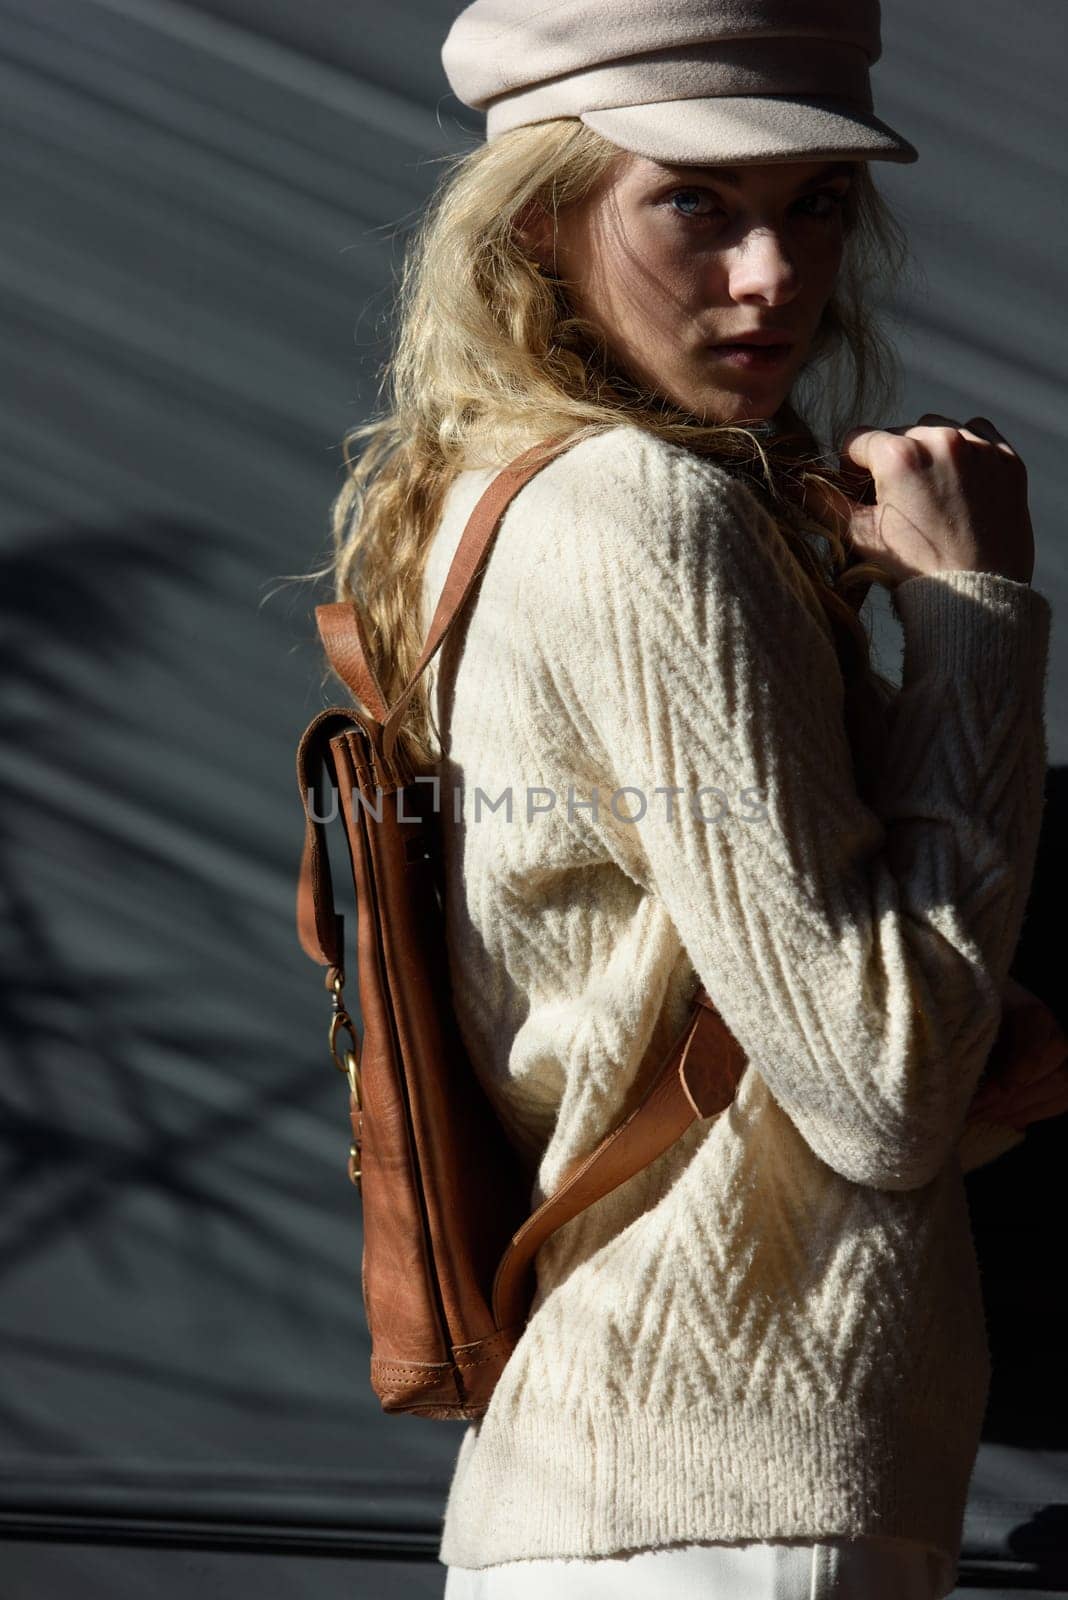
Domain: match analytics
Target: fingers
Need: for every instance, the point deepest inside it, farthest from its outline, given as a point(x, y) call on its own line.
point(1026, 1070)
point(1034, 1086)
point(856, 450)
point(1047, 1098)
point(977, 428)
point(981, 429)
point(985, 429)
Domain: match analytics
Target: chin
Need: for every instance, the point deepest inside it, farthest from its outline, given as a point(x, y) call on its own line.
point(715, 403)
point(728, 406)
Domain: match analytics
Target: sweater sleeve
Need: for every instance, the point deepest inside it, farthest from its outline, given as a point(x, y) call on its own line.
point(689, 701)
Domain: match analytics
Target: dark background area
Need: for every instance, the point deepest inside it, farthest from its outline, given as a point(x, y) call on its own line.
point(203, 210)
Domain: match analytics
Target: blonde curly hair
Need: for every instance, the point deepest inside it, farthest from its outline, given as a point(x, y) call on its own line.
point(489, 358)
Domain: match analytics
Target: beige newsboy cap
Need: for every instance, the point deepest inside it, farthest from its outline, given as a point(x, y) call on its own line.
point(693, 82)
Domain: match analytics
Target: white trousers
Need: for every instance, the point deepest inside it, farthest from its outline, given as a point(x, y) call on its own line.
point(845, 1569)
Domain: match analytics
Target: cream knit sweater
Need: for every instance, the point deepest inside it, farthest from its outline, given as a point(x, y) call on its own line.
point(777, 1329)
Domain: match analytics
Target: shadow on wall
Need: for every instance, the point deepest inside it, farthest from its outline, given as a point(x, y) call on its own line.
point(102, 871)
point(180, 1319)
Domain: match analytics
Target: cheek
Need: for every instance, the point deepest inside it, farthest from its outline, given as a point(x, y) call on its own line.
point(674, 279)
point(652, 281)
point(674, 258)
point(820, 255)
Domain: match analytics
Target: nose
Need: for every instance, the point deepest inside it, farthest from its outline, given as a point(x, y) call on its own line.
point(762, 268)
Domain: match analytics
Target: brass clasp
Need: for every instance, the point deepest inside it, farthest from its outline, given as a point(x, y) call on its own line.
point(347, 1061)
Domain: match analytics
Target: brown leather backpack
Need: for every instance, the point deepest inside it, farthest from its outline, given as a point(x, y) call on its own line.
point(448, 1237)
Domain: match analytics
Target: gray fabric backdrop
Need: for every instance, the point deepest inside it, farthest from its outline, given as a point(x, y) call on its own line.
point(202, 208)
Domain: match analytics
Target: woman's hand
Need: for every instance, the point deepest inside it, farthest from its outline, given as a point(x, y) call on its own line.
point(1026, 1076)
point(949, 497)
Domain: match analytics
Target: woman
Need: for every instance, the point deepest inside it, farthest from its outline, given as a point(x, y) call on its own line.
point(758, 1367)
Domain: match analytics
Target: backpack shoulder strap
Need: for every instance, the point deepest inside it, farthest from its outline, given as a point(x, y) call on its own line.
point(339, 623)
point(342, 633)
point(699, 1079)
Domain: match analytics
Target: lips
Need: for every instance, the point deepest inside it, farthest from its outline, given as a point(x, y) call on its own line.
point(758, 341)
point(752, 357)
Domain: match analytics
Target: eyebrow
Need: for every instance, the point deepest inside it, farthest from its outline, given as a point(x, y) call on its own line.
point(732, 177)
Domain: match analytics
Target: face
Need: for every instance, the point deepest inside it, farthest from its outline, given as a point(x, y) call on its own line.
point(673, 263)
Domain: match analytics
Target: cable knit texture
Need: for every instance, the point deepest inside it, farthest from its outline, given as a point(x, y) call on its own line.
point(776, 1330)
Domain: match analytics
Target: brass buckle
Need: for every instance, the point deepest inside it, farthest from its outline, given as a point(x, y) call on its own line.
point(347, 1062)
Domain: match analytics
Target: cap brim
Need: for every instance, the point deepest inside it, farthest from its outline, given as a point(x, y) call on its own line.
point(718, 130)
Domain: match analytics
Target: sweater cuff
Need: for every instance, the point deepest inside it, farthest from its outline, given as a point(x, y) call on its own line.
point(977, 623)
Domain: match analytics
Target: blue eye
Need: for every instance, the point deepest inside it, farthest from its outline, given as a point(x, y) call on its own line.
point(836, 198)
point(685, 192)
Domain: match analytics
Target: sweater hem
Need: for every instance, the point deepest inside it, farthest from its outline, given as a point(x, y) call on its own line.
point(556, 1486)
